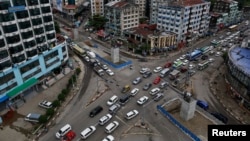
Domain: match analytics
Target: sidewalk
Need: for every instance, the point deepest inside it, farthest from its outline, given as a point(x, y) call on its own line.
point(21, 130)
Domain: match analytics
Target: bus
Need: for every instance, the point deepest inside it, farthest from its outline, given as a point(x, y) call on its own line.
point(78, 50)
point(203, 65)
point(215, 43)
point(206, 49)
point(177, 64)
point(193, 55)
point(164, 72)
point(233, 28)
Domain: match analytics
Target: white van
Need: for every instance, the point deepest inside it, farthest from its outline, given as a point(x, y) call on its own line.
point(111, 127)
point(63, 131)
point(87, 132)
point(112, 100)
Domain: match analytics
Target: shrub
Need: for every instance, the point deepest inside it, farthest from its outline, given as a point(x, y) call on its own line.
point(65, 91)
point(50, 112)
point(56, 103)
point(78, 71)
point(61, 97)
point(43, 119)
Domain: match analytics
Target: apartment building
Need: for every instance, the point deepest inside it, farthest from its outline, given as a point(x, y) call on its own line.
point(97, 7)
point(28, 46)
point(184, 18)
point(121, 16)
point(225, 13)
point(142, 7)
point(154, 10)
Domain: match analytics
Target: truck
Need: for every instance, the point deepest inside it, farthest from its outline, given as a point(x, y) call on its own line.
point(164, 72)
point(174, 74)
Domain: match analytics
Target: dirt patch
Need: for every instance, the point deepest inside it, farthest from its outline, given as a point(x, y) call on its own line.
point(10, 117)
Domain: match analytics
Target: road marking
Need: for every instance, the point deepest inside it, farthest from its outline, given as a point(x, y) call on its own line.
point(121, 120)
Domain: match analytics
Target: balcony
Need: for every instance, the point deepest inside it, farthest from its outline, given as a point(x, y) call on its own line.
point(24, 25)
point(16, 49)
point(13, 39)
point(47, 19)
point(35, 12)
point(4, 54)
point(26, 35)
point(18, 58)
point(46, 9)
point(32, 2)
point(37, 21)
point(44, 1)
point(40, 40)
point(31, 53)
point(22, 14)
point(4, 5)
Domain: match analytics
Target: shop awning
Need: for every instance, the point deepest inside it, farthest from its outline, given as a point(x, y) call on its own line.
point(22, 87)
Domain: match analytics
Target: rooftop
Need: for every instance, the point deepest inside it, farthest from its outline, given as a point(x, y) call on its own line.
point(241, 57)
point(187, 2)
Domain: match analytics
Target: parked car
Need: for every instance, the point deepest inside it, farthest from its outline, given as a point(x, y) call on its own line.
point(157, 80)
point(87, 132)
point(69, 136)
point(147, 86)
point(142, 100)
point(202, 104)
point(168, 64)
point(131, 114)
point(147, 74)
point(154, 91)
point(45, 104)
point(114, 108)
point(163, 84)
point(134, 91)
point(109, 138)
point(220, 117)
point(158, 97)
point(104, 119)
point(95, 111)
point(137, 80)
point(105, 67)
point(157, 69)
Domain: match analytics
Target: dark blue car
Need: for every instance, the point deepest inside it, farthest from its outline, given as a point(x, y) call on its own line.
point(202, 104)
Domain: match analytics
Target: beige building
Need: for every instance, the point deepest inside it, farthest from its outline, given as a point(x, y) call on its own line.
point(146, 34)
point(142, 7)
point(121, 16)
point(97, 7)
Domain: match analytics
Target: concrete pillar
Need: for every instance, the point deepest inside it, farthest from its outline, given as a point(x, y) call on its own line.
point(187, 109)
point(115, 55)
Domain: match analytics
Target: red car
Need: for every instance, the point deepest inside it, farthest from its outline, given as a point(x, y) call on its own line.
point(168, 64)
point(69, 136)
point(157, 80)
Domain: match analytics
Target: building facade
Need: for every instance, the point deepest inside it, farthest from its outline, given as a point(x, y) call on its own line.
point(154, 10)
point(225, 13)
point(121, 16)
point(184, 17)
point(238, 74)
point(97, 7)
point(28, 45)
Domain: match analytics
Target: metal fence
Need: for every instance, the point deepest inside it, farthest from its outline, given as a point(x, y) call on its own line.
point(176, 123)
point(120, 66)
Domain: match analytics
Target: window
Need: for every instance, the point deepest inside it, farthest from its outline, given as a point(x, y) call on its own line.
point(10, 28)
point(16, 49)
point(13, 39)
point(24, 25)
point(29, 44)
point(2, 43)
point(3, 54)
point(22, 14)
point(18, 59)
point(34, 12)
point(36, 21)
point(26, 35)
point(7, 17)
point(18, 2)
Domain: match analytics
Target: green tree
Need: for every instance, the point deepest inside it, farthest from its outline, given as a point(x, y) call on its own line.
point(97, 21)
point(56, 103)
point(225, 56)
point(78, 70)
point(43, 119)
point(50, 112)
point(61, 97)
point(57, 27)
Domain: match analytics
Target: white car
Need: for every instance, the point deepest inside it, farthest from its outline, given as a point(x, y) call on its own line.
point(87, 132)
point(110, 72)
point(131, 114)
point(157, 69)
point(104, 119)
point(191, 66)
point(109, 138)
point(154, 91)
point(134, 91)
point(105, 67)
point(218, 54)
point(142, 100)
point(143, 70)
point(211, 60)
point(185, 62)
point(45, 104)
point(86, 58)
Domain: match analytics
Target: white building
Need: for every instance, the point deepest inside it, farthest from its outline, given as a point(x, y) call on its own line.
point(121, 16)
point(184, 18)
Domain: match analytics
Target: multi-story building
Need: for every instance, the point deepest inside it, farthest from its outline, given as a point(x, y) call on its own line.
point(142, 7)
point(28, 45)
point(148, 35)
point(69, 8)
point(224, 13)
point(121, 16)
point(184, 17)
point(154, 10)
point(97, 7)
